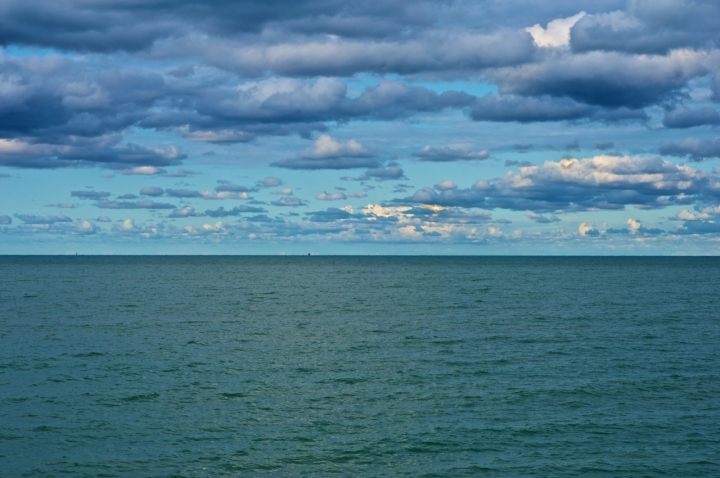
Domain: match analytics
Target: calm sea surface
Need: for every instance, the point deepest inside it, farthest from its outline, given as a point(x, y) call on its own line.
point(359, 366)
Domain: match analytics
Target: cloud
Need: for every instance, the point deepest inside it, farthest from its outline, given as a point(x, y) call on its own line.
point(288, 201)
point(5, 220)
point(697, 149)
point(650, 27)
point(330, 197)
point(603, 79)
point(311, 37)
point(186, 211)
point(403, 224)
point(446, 184)
point(62, 205)
point(705, 221)
point(327, 147)
point(235, 188)
point(511, 162)
point(269, 182)
point(221, 193)
point(222, 212)
point(144, 204)
point(64, 112)
point(103, 219)
point(52, 225)
point(89, 194)
point(444, 52)
point(588, 230)
point(357, 195)
point(637, 228)
point(601, 182)
point(329, 153)
point(143, 171)
point(182, 173)
point(47, 156)
point(228, 136)
point(49, 219)
point(152, 191)
point(557, 32)
point(160, 72)
point(449, 153)
point(541, 219)
point(687, 118)
point(183, 193)
point(331, 163)
point(285, 192)
point(543, 108)
point(604, 145)
point(333, 214)
point(390, 173)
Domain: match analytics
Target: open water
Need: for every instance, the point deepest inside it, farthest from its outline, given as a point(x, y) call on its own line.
point(359, 366)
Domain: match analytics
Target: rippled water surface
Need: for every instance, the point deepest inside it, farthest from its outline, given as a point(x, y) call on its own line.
point(359, 366)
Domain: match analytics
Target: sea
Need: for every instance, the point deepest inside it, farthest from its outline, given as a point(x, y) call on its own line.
point(150, 366)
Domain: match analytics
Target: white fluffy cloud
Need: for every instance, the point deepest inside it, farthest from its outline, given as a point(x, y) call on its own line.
point(557, 32)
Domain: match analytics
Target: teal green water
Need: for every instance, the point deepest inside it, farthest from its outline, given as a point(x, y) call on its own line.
point(359, 366)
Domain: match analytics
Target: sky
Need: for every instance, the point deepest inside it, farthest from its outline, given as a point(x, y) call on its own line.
point(347, 127)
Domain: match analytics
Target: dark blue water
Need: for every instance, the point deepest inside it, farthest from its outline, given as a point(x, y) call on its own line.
point(359, 366)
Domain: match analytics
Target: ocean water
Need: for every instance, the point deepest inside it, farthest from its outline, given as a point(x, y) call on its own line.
point(359, 366)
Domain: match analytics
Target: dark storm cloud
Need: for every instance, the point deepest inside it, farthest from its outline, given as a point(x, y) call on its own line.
point(448, 153)
point(687, 118)
point(694, 148)
point(603, 182)
point(222, 212)
point(650, 27)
